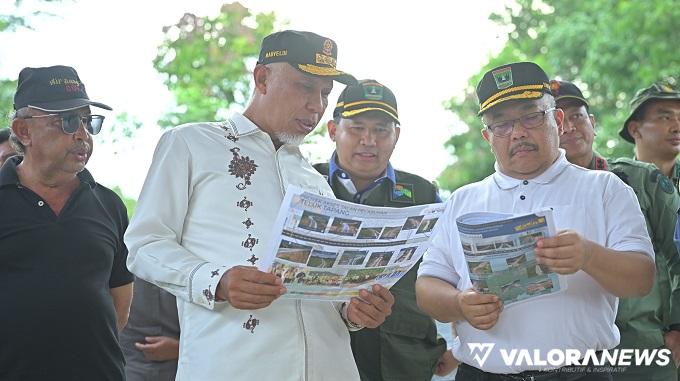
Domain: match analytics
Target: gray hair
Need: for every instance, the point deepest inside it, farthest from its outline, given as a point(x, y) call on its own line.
point(14, 141)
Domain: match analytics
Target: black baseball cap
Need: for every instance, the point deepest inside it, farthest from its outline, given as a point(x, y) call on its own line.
point(562, 90)
point(306, 51)
point(519, 80)
point(366, 95)
point(661, 90)
point(52, 89)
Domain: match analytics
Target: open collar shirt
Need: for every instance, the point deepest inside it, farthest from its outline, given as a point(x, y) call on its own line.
point(597, 205)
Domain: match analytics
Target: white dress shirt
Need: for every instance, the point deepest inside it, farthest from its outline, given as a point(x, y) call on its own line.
point(597, 205)
point(208, 203)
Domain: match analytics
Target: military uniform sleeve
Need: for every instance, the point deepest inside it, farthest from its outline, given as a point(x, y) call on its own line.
point(662, 220)
point(624, 219)
point(155, 232)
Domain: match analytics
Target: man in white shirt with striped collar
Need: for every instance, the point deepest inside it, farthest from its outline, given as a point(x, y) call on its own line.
point(602, 248)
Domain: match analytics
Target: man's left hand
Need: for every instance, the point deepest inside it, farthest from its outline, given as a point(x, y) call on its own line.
point(565, 253)
point(371, 308)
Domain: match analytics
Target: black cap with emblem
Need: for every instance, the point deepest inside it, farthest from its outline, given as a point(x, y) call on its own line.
point(306, 51)
point(563, 90)
point(367, 95)
point(52, 89)
point(519, 80)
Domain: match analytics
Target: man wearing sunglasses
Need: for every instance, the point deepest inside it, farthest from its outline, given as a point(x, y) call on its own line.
point(602, 249)
point(644, 322)
point(64, 288)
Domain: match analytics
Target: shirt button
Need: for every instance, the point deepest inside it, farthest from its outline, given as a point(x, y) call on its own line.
point(522, 197)
point(525, 182)
point(41, 203)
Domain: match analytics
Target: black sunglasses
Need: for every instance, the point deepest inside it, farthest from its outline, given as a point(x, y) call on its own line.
point(71, 122)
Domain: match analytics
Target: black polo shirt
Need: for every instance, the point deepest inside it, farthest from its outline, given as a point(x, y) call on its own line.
point(57, 320)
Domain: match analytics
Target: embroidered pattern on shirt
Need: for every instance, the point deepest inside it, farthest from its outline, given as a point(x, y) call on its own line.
point(250, 242)
point(252, 259)
point(208, 294)
point(251, 323)
point(248, 223)
point(245, 203)
point(241, 167)
point(214, 273)
point(230, 135)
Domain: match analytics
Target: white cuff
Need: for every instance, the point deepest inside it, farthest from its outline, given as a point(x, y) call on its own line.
point(203, 282)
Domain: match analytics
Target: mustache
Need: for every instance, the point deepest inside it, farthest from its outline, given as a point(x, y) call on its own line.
point(523, 146)
point(80, 148)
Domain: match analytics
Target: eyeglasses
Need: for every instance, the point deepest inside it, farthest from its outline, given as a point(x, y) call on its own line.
point(70, 123)
point(528, 121)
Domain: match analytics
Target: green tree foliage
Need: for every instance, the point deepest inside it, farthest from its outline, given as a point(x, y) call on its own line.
point(204, 60)
point(130, 203)
point(8, 24)
point(610, 48)
point(7, 89)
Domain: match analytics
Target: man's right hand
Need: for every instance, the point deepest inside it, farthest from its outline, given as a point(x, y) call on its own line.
point(480, 310)
point(248, 288)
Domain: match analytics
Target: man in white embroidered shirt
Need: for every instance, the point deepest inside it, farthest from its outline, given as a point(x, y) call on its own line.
point(205, 217)
point(602, 249)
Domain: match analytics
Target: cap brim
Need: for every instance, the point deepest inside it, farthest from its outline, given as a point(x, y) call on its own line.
point(359, 111)
point(67, 105)
point(624, 132)
point(327, 72)
point(563, 97)
point(525, 95)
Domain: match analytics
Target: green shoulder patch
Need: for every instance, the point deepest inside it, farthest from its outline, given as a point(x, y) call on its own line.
point(664, 182)
point(402, 192)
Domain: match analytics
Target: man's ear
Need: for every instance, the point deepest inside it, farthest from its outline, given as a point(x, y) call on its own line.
point(397, 131)
point(593, 122)
point(260, 76)
point(22, 131)
point(332, 126)
point(559, 119)
point(485, 135)
point(634, 129)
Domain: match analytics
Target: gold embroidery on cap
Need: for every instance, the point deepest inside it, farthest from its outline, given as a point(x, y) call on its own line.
point(524, 95)
point(276, 53)
point(326, 60)
point(317, 70)
point(328, 47)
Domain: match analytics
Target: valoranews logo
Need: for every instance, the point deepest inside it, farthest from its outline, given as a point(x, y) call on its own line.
point(569, 357)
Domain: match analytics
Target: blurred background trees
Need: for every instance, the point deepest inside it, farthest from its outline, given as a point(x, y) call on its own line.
point(609, 48)
point(205, 62)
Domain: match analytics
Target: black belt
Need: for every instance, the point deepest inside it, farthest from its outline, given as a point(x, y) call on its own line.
point(560, 374)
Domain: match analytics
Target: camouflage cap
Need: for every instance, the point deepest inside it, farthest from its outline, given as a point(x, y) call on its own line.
point(662, 90)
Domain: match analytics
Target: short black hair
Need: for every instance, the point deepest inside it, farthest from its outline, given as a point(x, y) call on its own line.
point(4, 135)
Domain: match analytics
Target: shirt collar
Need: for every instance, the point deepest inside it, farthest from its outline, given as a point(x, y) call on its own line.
point(335, 169)
point(506, 182)
point(9, 176)
point(243, 125)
